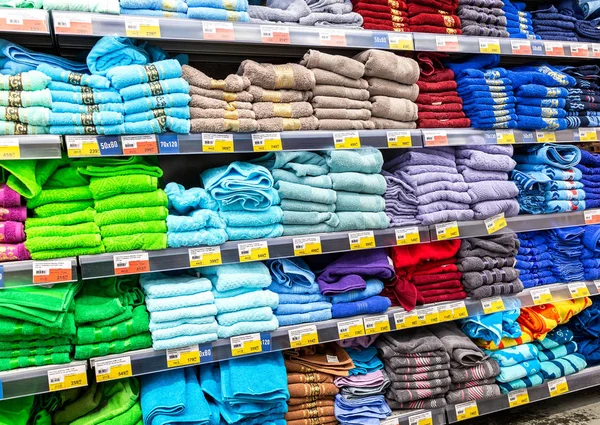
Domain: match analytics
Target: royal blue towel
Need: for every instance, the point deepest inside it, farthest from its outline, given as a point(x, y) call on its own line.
point(371, 305)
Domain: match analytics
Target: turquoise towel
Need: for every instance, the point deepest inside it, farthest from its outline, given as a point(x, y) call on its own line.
point(13, 128)
point(160, 285)
point(35, 115)
point(314, 181)
point(95, 119)
point(91, 129)
point(157, 13)
point(174, 303)
point(306, 218)
point(234, 276)
point(182, 112)
point(232, 293)
point(302, 163)
point(164, 325)
point(514, 355)
point(26, 99)
point(59, 74)
point(87, 109)
point(183, 313)
point(306, 206)
point(27, 81)
point(84, 98)
point(125, 76)
point(243, 328)
point(185, 330)
point(245, 233)
point(60, 86)
point(362, 221)
point(144, 104)
point(558, 352)
point(247, 315)
point(270, 216)
point(368, 161)
point(248, 300)
point(210, 14)
point(306, 229)
point(184, 341)
point(183, 201)
point(564, 366)
point(197, 238)
point(518, 371)
point(110, 52)
point(158, 125)
point(351, 201)
point(301, 192)
point(156, 88)
point(196, 220)
point(359, 182)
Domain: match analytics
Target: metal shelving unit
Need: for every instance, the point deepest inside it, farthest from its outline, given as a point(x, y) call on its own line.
point(44, 146)
point(28, 273)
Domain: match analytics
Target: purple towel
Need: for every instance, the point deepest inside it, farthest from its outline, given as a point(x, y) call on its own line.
point(11, 232)
point(8, 197)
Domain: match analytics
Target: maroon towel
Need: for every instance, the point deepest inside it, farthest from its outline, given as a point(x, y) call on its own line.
point(381, 27)
point(446, 21)
point(430, 6)
point(441, 115)
point(447, 107)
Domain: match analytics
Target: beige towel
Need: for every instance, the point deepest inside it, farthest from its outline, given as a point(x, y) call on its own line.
point(343, 114)
point(271, 77)
point(212, 125)
point(337, 91)
point(345, 125)
point(208, 103)
point(222, 113)
point(279, 96)
point(381, 87)
point(328, 78)
point(284, 124)
point(228, 96)
point(339, 103)
point(335, 63)
point(283, 110)
point(383, 123)
point(387, 65)
point(233, 83)
point(393, 108)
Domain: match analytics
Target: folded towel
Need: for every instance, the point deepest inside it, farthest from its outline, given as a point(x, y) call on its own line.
point(124, 76)
point(267, 76)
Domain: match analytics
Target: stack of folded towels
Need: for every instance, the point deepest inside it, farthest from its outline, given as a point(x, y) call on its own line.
point(151, 94)
point(335, 13)
point(401, 202)
point(391, 80)
point(418, 365)
point(24, 103)
point(158, 8)
point(550, 24)
point(182, 310)
point(193, 219)
point(310, 375)
point(491, 328)
point(343, 104)
point(484, 18)
point(583, 102)
point(519, 22)
point(64, 222)
point(246, 198)
point(353, 282)
point(300, 299)
point(243, 304)
point(289, 11)
point(472, 373)
point(590, 256)
point(485, 169)
point(589, 166)
point(111, 318)
point(487, 266)
point(438, 101)
point(545, 174)
point(12, 222)
point(280, 95)
point(584, 327)
point(519, 367)
point(558, 354)
point(565, 249)
point(218, 10)
point(38, 325)
point(81, 103)
point(130, 209)
point(219, 105)
point(108, 6)
point(358, 404)
point(383, 15)
point(435, 16)
point(534, 260)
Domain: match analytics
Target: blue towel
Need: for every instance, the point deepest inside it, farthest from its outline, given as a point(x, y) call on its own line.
point(557, 352)
point(210, 14)
point(20, 59)
point(177, 6)
point(292, 276)
point(301, 308)
point(182, 112)
point(525, 122)
point(542, 102)
point(374, 287)
point(512, 356)
point(560, 156)
point(87, 109)
point(541, 112)
point(158, 125)
point(156, 88)
point(62, 75)
point(564, 366)
point(300, 298)
point(86, 98)
point(110, 52)
point(518, 371)
point(95, 119)
point(234, 276)
point(77, 129)
point(210, 237)
point(310, 317)
point(184, 201)
point(61, 86)
point(536, 90)
point(261, 232)
point(519, 384)
point(237, 5)
point(270, 216)
point(124, 76)
point(144, 104)
point(152, 12)
point(243, 328)
point(371, 305)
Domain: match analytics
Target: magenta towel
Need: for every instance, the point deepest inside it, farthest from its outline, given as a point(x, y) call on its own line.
point(13, 252)
point(11, 232)
point(8, 197)
point(13, 213)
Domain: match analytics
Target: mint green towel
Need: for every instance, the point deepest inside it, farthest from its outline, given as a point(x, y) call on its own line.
point(66, 242)
point(27, 81)
point(359, 182)
point(62, 208)
point(358, 202)
point(123, 229)
point(131, 215)
point(37, 343)
point(301, 192)
point(301, 163)
point(47, 231)
point(144, 241)
point(306, 229)
point(306, 218)
point(114, 167)
point(62, 220)
point(26, 98)
point(157, 198)
point(362, 221)
point(63, 253)
point(368, 160)
point(10, 128)
point(50, 196)
point(22, 4)
point(29, 361)
point(307, 206)
point(137, 324)
point(105, 187)
point(27, 176)
point(41, 351)
point(317, 181)
point(66, 177)
point(35, 116)
point(136, 342)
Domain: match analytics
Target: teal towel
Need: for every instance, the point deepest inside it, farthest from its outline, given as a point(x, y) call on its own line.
point(251, 299)
point(300, 192)
point(351, 201)
point(183, 313)
point(28, 81)
point(362, 221)
point(92, 129)
point(234, 276)
point(84, 98)
point(13, 128)
point(306, 229)
point(181, 112)
point(268, 217)
point(59, 74)
point(87, 109)
point(232, 293)
point(124, 76)
point(62, 86)
point(174, 303)
point(306, 206)
point(245, 233)
point(155, 88)
point(314, 181)
point(368, 160)
point(359, 182)
point(301, 163)
point(160, 285)
point(243, 328)
point(186, 329)
point(26, 99)
point(247, 315)
point(196, 220)
point(298, 217)
point(35, 115)
point(171, 324)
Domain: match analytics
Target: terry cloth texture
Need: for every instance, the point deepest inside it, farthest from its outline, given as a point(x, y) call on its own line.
point(488, 21)
point(435, 17)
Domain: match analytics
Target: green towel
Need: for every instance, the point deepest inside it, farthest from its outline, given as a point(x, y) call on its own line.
point(359, 182)
point(301, 192)
point(94, 304)
point(111, 167)
point(22, 4)
point(62, 208)
point(89, 240)
point(18, 329)
point(16, 411)
point(136, 342)
point(63, 253)
point(118, 397)
point(306, 206)
point(133, 416)
point(362, 221)
point(157, 198)
point(131, 215)
point(126, 315)
point(43, 351)
point(37, 343)
point(66, 177)
point(29, 361)
point(76, 229)
point(144, 241)
point(50, 196)
point(137, 324)
point(111, 186)
point(358, 202)
point(62, 219)
point(306, 218)
point(287, 176)
point(29, 175)
point(157, 226)
point(80, 406)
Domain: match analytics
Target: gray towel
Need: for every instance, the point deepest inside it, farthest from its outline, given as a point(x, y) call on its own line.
point(473, 280)
point(383, 123)
point(414, 377)
point(428, 403)
point(415, 370)
point(405, 396)
point(501, 245)
point(410, 341)
point(476, 264)
point(472, 175)
point(500, 288)
point(417, 385)
point(323, 19)
point(444, 216)
point(479, 392)
point(487, 369)
point(440, 357)
point(279, 11)
point(469, 384)
point(461, 348)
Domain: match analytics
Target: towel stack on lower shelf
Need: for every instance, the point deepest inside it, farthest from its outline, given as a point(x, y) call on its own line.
point(111, 318)
point(12, 222)
point(584, 327)
point(157, 8)
point(182, 310)
point(519, 367)
point(558, 354)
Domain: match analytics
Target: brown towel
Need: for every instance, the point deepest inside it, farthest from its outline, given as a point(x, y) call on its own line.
point(328, 78)
point(285, 124)
point(339, 64)
point(381, 87)
point(393, 108)
point(216, 125)
point(208, 103)
point(312, 390)
point(345, 125)
point(326, 402)
point(269, 76)
point(233, 83)
point(295, 401)
point(327, 358)
point(310, 413)
point(284, 110)
point(387, 65)
point(278, 96)
point(337, 91)
point(382, 123)
point(342, 114)
point(321, 420)
point(339, 103)
point(228, 96)
point(308, 378)
point(221, 113)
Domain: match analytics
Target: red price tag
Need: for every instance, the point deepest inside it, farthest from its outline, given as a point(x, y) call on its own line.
point(23, 20)
point(520, 47)
point(218, 31)
point(65, 24)
point(131, 263)
point(139, 145)
point(554, 49)
point(275, 34)
point(52, 271)
point(332, 38)
point(435, 138)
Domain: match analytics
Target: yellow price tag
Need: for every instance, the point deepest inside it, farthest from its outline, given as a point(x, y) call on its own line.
point(401, 41)
point(428, 316)
point(202, 257)
point(489, 45)
point(492, 305)
point(346, 140)
point(246, 344)
point(142, 27)
point(466, 410)
point(67, 377)
point(578, 290)
point(109, 370)
point(217, 142)
point(183, 356)
point(421, 419)
point(459, 310)
point(309, 245)
point(505, 137)
point(541, 296)
point(264, 142)
point(253, 251)
point(301, 337)
point(361, 240)
point(10, 148)
point(407, 236)
point(518, 398)
point(588, 135)
point(399, 139)
point(558, 386)
point(351, 328)
point(406, 320)
point(377, 324)
point(495, 223)
point(545, 136)
point(448, 230)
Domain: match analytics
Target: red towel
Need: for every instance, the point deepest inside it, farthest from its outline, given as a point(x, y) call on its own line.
point(446, 107)
point(439, 298)
point(432, 267)
point(394, 25)
point(384, 27)
point(383, 8)
point(411, 255)
point(447, 21)
point(382, 16)
point(436, 278)
point(391, 3)
point(449, 285)
point(401, 292)
point(415, 7)
point(434, 292)
point(442, 86)
point(438, 76)
point(441, 115)
point(458, 123)
point(431, 65)
point(435, 30)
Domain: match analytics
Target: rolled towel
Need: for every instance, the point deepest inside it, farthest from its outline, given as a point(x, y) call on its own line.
point(221, 113)
point(284, 110)
point(337, 91)
point(279, 96)
point(343, 114)
point(233, 83)
point(339, 103)
point(339, 64)
point(393, 108)
point(268, 76)
point(381, 87)
point(208, 103)
point(387, 65)
point(228, 96)
point(215, 125)
point(284, 124)
point(345, 124)
point(328, 78)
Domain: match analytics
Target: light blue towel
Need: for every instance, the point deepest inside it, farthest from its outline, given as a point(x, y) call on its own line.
point(209, 237)
point(25, 58)
point(237, 5)
point(185, 330)
point(301, 298)
point(246, 233)
point(368, 161)
point(302, 308)
point(60, 86)
point(184, 341)
point(243, 328)
point(195, 220)
point(85, 98)
point(292, 276)
point(62, 75)
point(183, 313)
point(257, 314)
point(182, 112)
point(358, 202)
point(296, 319)
point(124, 76)
point(160, 285)
point(374, 287)
point(26, 99)
point(210, 14)
point(95, 118)
point(241, 275)
point(557, 352)
point(25, 81)
point(231, 293)
point(518, 371)
point(300, 163)
point(152, 12)
point(144, 104)
point(272, 215)
point(359, 182)
point(301, 192)
point(92, 129)
point(12, 128)
point(173, 323)
point(110, 52)
point(183, 201)
point(156, 88)
point(519, 384)
point(175, 303)
point(173, 6)
point(158, 125)
point(249, 300)
point(87, 109)
point(323, 181)
point(514, 355)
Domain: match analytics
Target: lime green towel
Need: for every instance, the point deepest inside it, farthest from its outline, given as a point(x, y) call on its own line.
point(131, 215)
point(157, 198)
point(62, 219)
point(63, 253)
point(29, 175)
point(102, 188)
point(137, 324)
point(133, 416)
point(18, 362)
point(51, 196)
point(80, 405)
point(110, 167)
point(136, 342)
point(124, 229)
point(37, 343)
point(126, 315)
point(89, 240)
point(16, 411)
point(43, 351)
point(144, 241)
point(76, 229)
point(66, 177)
point(15, 330)
point(62, 208)
point(117, 398)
